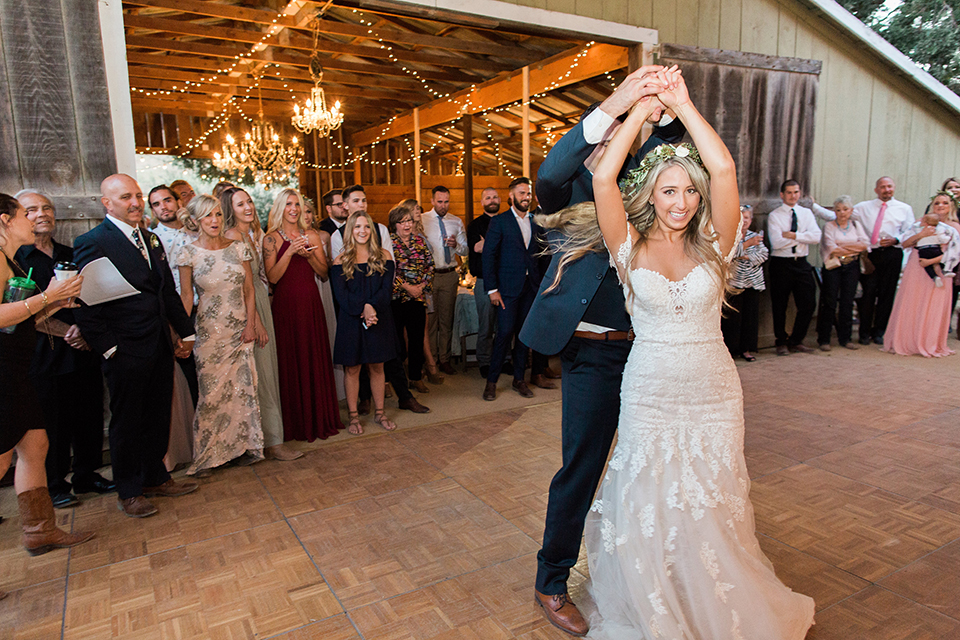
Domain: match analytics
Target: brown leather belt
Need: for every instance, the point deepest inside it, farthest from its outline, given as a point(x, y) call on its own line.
point(445, 270)
point(609, 336)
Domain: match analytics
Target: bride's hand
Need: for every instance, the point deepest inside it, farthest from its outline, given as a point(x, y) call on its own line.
point(675, 89)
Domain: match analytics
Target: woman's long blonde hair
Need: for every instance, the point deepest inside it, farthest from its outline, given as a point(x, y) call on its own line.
point(199, 207)
point(578, 223)
point(275, 219)
point(348, 259)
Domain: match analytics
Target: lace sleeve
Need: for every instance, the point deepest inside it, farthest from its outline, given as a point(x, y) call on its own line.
point(620, 260)
point(736, 242)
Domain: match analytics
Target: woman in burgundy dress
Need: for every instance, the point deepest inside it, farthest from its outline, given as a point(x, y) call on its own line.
point(292, 255)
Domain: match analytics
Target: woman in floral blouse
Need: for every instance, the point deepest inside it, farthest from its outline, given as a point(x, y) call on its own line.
point(414, 276)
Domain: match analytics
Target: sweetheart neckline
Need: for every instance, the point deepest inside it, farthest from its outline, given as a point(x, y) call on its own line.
point(665, 278)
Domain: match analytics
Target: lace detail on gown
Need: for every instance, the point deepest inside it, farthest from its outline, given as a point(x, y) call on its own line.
point(670, 537)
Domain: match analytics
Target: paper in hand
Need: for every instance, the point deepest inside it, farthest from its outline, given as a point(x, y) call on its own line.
point(103, 282)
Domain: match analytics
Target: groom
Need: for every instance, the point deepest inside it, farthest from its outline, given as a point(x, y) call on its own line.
point(585, 320)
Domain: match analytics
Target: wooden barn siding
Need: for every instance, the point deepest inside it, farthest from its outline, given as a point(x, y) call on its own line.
point(55, 127)
point(869, 122)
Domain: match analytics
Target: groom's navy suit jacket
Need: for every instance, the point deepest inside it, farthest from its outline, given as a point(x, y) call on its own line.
point(135, 325)
point(507, 262)
point(563, 181)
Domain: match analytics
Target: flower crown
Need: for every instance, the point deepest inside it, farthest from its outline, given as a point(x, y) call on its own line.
point(635, 178)
point(944, 192)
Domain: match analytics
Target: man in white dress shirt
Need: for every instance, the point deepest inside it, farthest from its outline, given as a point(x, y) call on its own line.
point(447, 238)
point(887, 222)
point(791, 230)
point(355, 199)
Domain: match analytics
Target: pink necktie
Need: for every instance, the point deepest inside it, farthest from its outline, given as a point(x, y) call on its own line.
point(875, 236)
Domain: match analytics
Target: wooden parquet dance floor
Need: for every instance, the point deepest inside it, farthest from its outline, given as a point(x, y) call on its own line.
point(432, 531)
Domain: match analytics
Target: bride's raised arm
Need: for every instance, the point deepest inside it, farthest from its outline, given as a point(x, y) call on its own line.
point(611, 215)
point(724, 196)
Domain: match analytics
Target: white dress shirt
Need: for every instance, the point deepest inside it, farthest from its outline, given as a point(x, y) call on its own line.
point(779, 221)
point(897, 219)
point(336, 241)
point(454, 228)
point(823, 213)
point(127, 231)
point(596, 126)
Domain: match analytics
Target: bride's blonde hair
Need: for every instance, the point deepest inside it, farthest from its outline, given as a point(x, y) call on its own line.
point(578, 224)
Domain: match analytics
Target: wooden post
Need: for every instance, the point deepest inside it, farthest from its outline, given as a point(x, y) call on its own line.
point(357, 179)
point(640, 55)
point(416, 152)
point(526, 121)
point(468, 167)
point(316, 175)
point(329, 157)
point(343, 160)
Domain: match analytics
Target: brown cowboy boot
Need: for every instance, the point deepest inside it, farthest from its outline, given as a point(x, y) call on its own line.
point(40, 532)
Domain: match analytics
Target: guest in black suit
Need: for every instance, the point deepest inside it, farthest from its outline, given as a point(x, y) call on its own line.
point(65, 372)
point(133, 336)
point(511, 276)
point(583, 318)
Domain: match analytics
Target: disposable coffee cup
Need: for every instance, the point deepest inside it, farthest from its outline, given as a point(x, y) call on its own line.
point(18, 289)
point(65, 270)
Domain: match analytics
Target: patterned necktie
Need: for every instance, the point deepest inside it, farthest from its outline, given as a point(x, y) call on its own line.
point(139, 242)
point(443, 238)
point(875, 236)
point(793, 227)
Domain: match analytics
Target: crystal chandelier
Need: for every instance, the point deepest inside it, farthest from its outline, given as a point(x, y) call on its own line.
point(316, 116)
point(262, 152)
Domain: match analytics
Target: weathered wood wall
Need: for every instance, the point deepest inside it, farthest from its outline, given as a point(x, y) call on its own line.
point(55, 129)
point(869, 121)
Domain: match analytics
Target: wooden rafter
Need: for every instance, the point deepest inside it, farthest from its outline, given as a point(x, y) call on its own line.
point(551, 73)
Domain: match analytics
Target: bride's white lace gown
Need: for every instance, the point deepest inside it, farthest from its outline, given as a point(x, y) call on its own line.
point(671, 537)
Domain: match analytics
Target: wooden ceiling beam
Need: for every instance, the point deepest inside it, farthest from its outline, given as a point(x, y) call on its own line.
point(145, 79)
point(558, 71)
point(182, 27)
point(221, 51)
point(169, 68)
point(399, 36)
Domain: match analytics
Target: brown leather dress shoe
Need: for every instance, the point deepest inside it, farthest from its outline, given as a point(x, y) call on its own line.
point(413, 405)
point(521, 387)
point(782, 350)
point(542, 382)
point(137, 507)
point(800, 348)
point(490, 391)
point(171, 489)
point(562, 613)
point(550, 373)
point(419, 386)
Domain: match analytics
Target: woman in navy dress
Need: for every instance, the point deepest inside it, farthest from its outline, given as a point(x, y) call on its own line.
point(362, 278)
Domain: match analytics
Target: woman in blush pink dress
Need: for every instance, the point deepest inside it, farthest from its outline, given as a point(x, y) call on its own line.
point(920, 321)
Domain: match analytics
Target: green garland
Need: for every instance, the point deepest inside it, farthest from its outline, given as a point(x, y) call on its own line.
point(635, 178)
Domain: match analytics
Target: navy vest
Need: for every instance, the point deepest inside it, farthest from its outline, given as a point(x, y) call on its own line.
point(607, 307)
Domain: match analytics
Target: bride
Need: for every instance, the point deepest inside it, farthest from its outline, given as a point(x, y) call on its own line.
point(670, 538)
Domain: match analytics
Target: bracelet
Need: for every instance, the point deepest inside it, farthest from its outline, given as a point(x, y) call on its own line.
point(43, 296)
point(28, 307)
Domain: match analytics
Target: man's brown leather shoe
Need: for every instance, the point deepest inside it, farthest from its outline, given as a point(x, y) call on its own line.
point(137, 507)
point(562, 613)
point(490, 391)
point(521, 387)
point(171, 489)
point(542, 382)
point(411, 404)
point(447, 368)
point(550, 373)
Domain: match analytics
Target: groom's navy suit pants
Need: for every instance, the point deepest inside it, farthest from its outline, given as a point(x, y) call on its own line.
point(592, 371)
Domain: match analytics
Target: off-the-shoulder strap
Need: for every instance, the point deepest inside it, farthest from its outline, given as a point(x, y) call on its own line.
point(736, 242)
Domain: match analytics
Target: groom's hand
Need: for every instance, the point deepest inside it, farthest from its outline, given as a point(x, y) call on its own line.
point(640, 83)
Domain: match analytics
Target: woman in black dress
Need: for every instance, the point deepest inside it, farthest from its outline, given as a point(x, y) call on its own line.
point(362, 278)
point(21, 417)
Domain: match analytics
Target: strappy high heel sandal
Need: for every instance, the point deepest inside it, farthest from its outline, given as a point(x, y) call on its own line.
point(355, 427)
point(381, 419)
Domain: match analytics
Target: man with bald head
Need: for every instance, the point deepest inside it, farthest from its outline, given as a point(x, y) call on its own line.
point(887, 222)
point(133, 336)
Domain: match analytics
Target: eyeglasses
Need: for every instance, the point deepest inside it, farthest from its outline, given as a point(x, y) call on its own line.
point(406, 221)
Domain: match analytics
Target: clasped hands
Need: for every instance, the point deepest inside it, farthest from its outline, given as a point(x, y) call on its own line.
point(652, 89)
